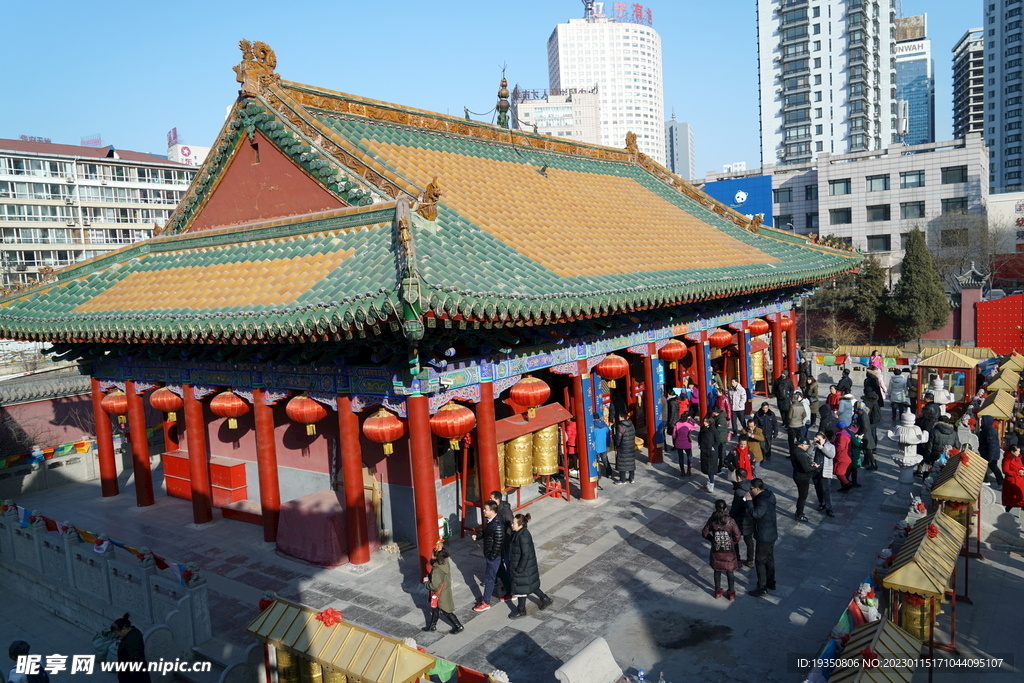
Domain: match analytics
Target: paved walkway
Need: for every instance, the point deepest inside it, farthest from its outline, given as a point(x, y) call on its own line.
point(630, 567)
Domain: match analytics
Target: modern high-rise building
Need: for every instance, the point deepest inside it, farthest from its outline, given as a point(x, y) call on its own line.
point(969, 84)
point(679, 149)
point(615, 47)
point(915, 80)
point(573, 114)
point(827, 77)
point(61, 204)
point(1004, 93)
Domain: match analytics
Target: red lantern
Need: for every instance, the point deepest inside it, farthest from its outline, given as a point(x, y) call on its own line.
point(383, 427)
point(612, 368)
point(672, 352)
point(304, 410)
point(719, 339)
point(116, 403)
point(166, 401)
point(787, 324)
point(530, 392)
point(758, 327)
point(452, 422)
point(227, 404)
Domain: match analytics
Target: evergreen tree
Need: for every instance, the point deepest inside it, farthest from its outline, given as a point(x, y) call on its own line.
point(871, 295)
point(919, 303)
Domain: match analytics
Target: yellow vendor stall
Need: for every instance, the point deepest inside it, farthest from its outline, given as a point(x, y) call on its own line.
point(871, 651)
point(317, 647)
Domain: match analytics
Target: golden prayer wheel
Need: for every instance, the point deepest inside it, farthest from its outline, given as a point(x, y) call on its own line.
point(955, 511)
point(757, 365)
point(310, 671)
point(501, 465)
point(519, 461)
point(545, 451)
point(287, 667)
point(332, 676)
point(914, 617)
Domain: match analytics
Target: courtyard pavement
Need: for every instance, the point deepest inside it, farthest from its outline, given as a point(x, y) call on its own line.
point(631, 567)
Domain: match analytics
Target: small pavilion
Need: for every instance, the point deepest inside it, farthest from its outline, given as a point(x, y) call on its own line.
point(380, 303)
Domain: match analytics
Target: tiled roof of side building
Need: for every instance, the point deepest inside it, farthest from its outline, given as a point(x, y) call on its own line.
point(526, 228)
point(57, 149)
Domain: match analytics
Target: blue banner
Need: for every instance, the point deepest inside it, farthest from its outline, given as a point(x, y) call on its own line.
point(658, 372)
point(588, 425)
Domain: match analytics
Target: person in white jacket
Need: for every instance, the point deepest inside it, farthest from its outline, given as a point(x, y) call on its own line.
point(738, 402)
point(824, 455)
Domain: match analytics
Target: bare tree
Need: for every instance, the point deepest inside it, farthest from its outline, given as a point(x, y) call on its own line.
point(958, 240)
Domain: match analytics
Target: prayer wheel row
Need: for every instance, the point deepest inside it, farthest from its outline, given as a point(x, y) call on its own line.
point(294, 669)
point(527, 456)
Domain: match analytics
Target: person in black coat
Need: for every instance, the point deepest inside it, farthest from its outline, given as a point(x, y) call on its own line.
point(738, 511)
point(845, 384)
point(988, 442)
point(625, 451)
point(927, 420)
point(760, 504)
point(769, 424)
point(131, 649)
point(942, 437)
point(783, 390)
point(803, 473)
point(827, 422)
point(671, 414)
point(523, 567)
point(710, 450)
point(874, 385)
point(494, 541)
point(862, 418)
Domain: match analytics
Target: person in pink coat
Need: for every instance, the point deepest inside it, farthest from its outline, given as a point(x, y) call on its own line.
point(841, 465)
point(682, 439)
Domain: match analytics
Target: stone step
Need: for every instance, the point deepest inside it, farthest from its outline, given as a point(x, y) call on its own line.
point(244, 511)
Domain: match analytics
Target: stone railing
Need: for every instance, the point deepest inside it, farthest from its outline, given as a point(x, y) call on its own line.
point(71, 579)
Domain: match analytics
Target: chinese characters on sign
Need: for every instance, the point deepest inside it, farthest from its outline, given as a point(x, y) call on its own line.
point(621, 11)
point(33, 138)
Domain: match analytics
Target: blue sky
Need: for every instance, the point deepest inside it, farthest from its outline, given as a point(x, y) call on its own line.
point(133, 70)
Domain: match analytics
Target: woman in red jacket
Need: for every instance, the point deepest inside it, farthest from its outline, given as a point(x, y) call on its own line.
point(841, 465)
point(1013, 483)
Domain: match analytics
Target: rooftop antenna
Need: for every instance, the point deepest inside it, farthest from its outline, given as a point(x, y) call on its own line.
point(673, 112)
point(588, 8)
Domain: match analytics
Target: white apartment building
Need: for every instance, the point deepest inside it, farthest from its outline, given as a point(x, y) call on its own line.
point(969, 84)
point(827, 77)
point(574, 114)
point(679, 149)
point(872, 199)
point(61, 204)
point(615, 48)
point(1004, 90)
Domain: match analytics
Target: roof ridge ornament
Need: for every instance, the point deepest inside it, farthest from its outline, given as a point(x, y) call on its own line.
point(426, 205)
point(256, 69)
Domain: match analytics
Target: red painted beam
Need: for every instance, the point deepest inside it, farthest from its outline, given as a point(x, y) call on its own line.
point(198, 462)
point(352, 472)
point(140, 446)
point(104, 443)
point(421, 446)
point(266, 461)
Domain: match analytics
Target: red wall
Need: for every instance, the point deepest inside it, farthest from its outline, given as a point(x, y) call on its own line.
point(1001, 324)
point(46, 423)
point(262, 186)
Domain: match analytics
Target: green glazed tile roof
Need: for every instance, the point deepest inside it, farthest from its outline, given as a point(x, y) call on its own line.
point(527, 228)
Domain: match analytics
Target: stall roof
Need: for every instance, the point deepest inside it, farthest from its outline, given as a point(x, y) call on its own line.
point(352, 650)
point(948, 358)
point(959, 481)
point(889, 643)
point(924, 564)
point(862, 351)
point(1007, 380)
point(1014, 361)
point(977, 352)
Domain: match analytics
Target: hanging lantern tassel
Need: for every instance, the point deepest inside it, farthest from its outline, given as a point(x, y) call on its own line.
point(388, 448)
point(122, 420)
point(172, 416)
point(311, 429)
point(611, 383)
point(531, 411)
point(454, 443)
point(232, 423)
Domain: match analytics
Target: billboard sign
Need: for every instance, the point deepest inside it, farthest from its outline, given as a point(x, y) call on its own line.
point(630, 13)
point(749, 196)
point(190, 155)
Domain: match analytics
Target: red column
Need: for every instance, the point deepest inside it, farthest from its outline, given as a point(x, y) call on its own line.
point(791, 351)
point(486, 442)
point(104, 443)
point(352, 473)
point(198, 463)
point(650, 396)
point(701, 354)
point(266, 462)
point(588, 487)
point(776, 345)
point(421, 448)
point(140, 447)
point(170, 436)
